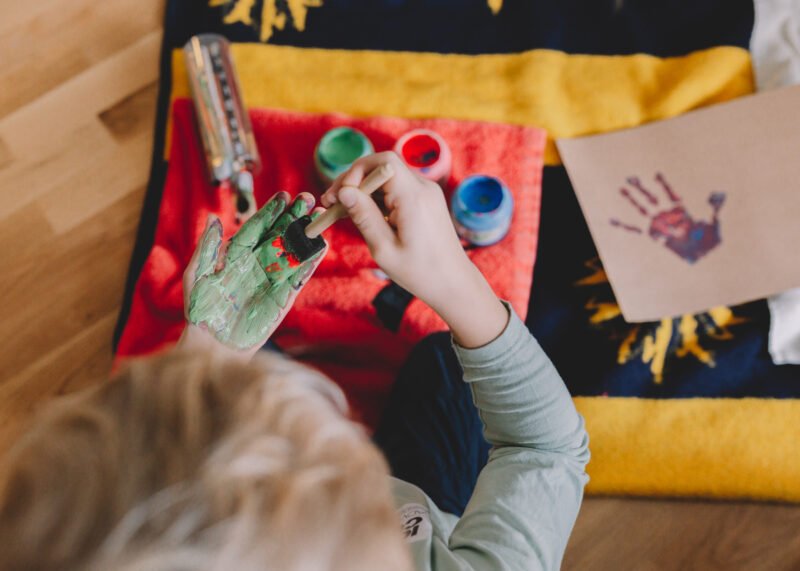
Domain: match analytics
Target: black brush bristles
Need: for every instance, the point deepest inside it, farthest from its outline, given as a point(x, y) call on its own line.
point(297, 243)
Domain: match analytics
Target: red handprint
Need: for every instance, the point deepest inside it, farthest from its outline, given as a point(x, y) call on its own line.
point(672, 225)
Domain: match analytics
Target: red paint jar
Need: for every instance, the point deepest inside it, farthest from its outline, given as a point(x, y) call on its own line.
point(427, 153)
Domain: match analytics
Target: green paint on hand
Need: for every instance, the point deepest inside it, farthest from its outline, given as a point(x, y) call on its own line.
point(243, 303)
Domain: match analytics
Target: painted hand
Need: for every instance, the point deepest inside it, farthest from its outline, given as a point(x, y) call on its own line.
point(671, 224)
point(241, 294)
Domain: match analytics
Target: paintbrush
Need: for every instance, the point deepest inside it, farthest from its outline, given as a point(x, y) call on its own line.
point(302, 237)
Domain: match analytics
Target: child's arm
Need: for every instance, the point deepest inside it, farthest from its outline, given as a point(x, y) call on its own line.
point(527, 497)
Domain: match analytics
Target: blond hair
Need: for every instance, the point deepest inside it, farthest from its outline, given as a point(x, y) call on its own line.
point(193, 461)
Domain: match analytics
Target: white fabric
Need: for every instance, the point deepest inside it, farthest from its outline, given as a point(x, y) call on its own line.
point(775, 43)
point(784, 329)
point(775, 48)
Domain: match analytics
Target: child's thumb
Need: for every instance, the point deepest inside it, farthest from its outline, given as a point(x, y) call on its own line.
point(368, 218)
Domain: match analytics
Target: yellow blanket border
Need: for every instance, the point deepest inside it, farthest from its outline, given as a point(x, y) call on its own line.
point(718, 448)
point(545, 88)
point(721, 448)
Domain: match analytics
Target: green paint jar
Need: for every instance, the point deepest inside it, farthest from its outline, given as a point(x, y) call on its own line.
point(337, 150)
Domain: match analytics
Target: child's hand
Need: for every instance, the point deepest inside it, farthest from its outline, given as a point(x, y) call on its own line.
point(418, 248)
point(240, 296)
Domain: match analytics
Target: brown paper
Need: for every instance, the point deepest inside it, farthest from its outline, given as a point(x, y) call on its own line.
point(714, 217)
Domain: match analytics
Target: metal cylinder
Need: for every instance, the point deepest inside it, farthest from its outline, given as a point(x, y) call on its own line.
point(224, 124)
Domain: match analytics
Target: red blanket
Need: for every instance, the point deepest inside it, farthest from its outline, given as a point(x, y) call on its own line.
point(333, 324)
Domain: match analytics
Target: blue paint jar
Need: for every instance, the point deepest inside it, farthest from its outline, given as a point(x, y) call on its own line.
point(337, 150)
point(481, 207)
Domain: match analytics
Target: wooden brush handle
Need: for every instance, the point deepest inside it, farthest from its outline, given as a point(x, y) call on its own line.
point(372, 182)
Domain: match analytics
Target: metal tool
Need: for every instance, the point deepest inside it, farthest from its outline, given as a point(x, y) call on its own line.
point(225, 129)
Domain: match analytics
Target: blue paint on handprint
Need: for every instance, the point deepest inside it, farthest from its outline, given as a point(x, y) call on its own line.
point(673, 226)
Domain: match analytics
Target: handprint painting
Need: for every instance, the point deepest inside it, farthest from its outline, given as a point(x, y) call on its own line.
point(669, 222)
point(694, 212)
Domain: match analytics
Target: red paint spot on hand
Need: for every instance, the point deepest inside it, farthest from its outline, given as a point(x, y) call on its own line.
point(273, 267)
point(280, 245)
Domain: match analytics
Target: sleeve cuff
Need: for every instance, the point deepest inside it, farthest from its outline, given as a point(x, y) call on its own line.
point(505, 343)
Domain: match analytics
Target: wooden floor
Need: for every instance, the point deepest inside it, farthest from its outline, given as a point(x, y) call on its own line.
point(77, 110)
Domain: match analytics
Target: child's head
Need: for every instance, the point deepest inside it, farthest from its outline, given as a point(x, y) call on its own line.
point(192, 461)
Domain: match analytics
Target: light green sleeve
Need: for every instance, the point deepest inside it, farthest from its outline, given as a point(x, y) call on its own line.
point(527, 497)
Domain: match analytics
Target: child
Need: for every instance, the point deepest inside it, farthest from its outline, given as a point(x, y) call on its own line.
point(204, 459)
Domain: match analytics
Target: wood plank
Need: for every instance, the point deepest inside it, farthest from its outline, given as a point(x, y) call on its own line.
point(36, 128)
point(114, 171)
point(16, 14)
point(53, 144)
point(133, 115)
point(83, 361)
point(613, 534)
point(22, 237)
point(62, 284)
point(44, 46)
point(76, 198)
point(25, 179)
point(5, 155)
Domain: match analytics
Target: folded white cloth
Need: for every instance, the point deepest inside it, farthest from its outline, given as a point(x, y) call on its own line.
point(775, 43)
point(784, 328)
point(775, 48)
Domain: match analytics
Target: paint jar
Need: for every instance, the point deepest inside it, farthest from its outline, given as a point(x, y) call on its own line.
point(337, 150)
point(427, 153)
point(481, 207)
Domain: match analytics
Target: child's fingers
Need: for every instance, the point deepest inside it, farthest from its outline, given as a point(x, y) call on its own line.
point(205, 256)
point(369, 220)
point(392, 219)
point(270, 253)
point(328, 197)
point(301, 205)
point(308, 199)
point(245, 205)
point(252, 231)
point(299, 279)
point(363, 166)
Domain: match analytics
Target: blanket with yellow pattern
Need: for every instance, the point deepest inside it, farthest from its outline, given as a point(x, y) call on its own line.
point(687, 406)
